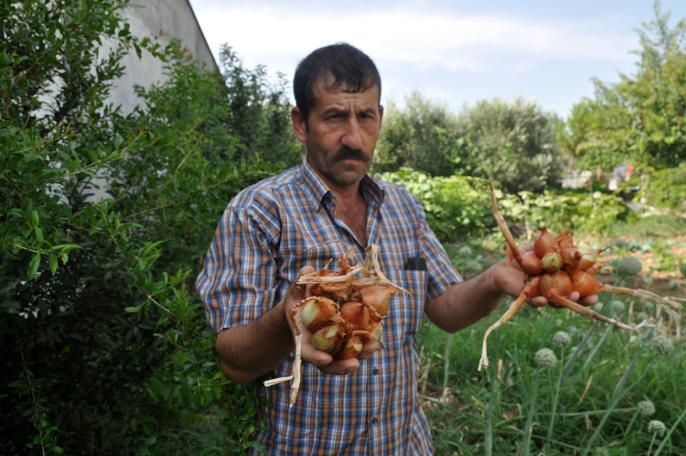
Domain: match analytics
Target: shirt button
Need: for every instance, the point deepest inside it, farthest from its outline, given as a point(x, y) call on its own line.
point(374, 420)
point(375, 371)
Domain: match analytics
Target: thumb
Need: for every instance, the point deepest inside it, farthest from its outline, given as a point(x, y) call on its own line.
point(306, 270)
point(296, 291)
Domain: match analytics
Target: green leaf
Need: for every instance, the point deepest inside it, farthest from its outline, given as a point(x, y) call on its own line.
point(134, 309)
point(33, 266)
point(53, 264)
point(66, 247)
point(39, 234)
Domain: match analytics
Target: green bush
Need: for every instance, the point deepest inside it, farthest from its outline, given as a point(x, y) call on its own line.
point(511, 142)
point(593, 212)
point(455, 206)
point(102, 341)
point(666, 188)
point(638, 119)
point(458, 206)
point(422, 136)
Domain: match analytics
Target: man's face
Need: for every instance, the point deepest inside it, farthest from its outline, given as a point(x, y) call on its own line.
point(340, 133)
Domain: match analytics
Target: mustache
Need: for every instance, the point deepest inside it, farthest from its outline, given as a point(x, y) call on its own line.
point(345, 152)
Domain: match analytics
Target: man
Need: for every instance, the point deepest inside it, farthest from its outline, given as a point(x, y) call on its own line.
point(307, 216)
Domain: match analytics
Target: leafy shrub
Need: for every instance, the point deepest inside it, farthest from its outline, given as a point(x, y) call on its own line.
point(423, 136)
point(639, 118)
point(512, 143)
point(455, 206)
point(560, 211)
point(666, 188)
point(458, 206)
point(102, 341)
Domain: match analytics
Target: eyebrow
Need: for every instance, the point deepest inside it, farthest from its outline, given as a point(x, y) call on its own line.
point(334, 109)
point(337, 110)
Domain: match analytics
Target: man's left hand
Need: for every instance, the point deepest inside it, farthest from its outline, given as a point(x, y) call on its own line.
point(510, 279)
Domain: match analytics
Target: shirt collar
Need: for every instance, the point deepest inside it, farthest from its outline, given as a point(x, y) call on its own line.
point(320, 191)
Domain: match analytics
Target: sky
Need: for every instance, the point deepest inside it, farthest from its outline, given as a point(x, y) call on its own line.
point(454, 53)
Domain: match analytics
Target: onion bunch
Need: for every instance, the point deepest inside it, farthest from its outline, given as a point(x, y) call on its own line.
point(343, 316)
point(559, 268)
point(556, 269)
point(343, 309)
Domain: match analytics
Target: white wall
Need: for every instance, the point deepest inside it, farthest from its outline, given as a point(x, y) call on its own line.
point(163, 20)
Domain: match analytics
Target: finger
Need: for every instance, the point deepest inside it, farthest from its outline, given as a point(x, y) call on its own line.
point(341, 367)
point(314, 356)
point(552, 303)
point(589, 300)
point(538, 301)
point(296, 292)
point(369, 348)
point(305, 270)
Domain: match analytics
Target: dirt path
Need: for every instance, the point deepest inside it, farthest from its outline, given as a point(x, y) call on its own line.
point(664, 281)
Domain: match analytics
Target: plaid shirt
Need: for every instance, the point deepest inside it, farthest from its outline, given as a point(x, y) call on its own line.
point(265, 236)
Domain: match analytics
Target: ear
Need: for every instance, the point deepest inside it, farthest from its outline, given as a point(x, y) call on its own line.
point(299, 124)
point(380, 114)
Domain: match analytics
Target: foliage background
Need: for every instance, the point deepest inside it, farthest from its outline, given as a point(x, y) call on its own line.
point(104, 345)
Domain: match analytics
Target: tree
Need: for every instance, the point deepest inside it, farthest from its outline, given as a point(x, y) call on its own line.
point(103, 345)
point(640, 118)
point(512, 143)
point(258, 112)
point(423, 136)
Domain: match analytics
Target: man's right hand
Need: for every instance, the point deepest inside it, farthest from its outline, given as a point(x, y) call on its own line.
point(324, 361)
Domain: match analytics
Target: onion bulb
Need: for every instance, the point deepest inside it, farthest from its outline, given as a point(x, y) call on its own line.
point(559, 283)
point(551, 262)
point(378, 297)
point(316, 311)
point(585, 284)
point(545, 243)
point(352, 348)
point(356, 315)
point(327, 338)
point(531, 263)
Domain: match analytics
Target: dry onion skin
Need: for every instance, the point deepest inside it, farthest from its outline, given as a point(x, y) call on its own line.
point(556, 268)
point(342, 309)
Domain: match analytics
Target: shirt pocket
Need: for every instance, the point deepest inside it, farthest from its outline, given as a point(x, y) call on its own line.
point(415, 282)
point(407, 307)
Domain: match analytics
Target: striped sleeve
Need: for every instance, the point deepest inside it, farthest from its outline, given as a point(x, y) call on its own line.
point(441, 272)
point(236, 284)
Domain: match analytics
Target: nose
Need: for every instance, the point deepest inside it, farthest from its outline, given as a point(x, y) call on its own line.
point(352, 137)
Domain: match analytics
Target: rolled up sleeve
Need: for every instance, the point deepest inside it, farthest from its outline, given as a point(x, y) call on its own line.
point(442, 273)
point(236, 284)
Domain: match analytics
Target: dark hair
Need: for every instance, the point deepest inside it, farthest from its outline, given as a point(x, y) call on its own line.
point(345, 63)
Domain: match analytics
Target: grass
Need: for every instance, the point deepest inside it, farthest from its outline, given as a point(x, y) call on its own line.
point(587, 404)
point(575, 407)
point(653, 225)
